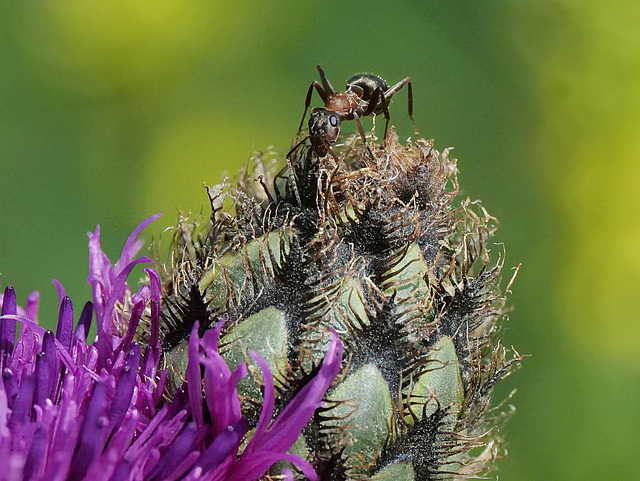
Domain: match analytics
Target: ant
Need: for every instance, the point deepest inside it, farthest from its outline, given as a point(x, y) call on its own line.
point(366, 94)
point(324, 129)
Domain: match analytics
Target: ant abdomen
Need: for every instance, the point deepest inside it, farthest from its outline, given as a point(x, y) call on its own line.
point(368, 83)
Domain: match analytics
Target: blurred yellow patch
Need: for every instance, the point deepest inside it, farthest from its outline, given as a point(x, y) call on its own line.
point(106, 46)
point(590, 83)
point(599, 296)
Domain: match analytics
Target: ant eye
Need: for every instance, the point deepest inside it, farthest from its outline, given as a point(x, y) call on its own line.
point(333, 120)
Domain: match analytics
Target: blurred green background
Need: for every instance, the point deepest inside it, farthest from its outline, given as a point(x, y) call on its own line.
point(113, 111)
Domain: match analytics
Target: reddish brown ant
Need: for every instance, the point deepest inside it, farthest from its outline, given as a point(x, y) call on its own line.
point(366, 94)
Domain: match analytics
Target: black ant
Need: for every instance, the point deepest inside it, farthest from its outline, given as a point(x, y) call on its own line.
point(366, 94)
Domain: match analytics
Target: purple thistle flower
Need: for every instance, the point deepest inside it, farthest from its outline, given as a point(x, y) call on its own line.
point(72, 411)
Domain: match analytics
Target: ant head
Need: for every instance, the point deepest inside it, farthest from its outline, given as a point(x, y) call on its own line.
point(364, 84)
point(324, 128)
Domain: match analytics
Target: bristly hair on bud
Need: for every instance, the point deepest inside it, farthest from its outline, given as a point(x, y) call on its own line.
point(375, 243)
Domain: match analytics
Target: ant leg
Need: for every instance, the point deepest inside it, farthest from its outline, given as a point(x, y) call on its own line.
point(291, 177)
point(360, 129)
point(410, 100)
point(373, 104)
point(292, 182)
point(393, 90)
point(296, 146)
point(280, 175)
point(307, 102)
point(327, 146)
point(364, 138)
point(325, 82)
point(385, 110)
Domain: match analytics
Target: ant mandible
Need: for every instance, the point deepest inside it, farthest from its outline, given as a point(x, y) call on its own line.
point(366, 94)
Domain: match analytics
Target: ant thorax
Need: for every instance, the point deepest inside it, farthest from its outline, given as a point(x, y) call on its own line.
point(345, 104)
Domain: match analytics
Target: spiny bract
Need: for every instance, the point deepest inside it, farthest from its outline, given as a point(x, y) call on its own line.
point(379, 248)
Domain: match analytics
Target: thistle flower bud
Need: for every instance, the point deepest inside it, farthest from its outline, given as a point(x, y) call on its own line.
point(373, 243)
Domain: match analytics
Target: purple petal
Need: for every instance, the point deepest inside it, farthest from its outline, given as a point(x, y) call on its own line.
point(99, 272)
point(303, 465)
point(192, 376)
point(270, 444)
point(108, 467)
point(268, 400)
point(11, 388)
point(62, 293)
point(105, 323)
point(31, 309)
point(124, 387)
point(148, 432)
point(22, 406)
point(123, 471)
point(288, 474)
point(137, 309)
point(178, 402)
point(225, 446)
point(179, 471)
point(160, 387)
point(34, 465)
point(133, 244)
point(65, 436)
point(153, 352)
point(84, 323)
point(8, 326)
point(28, 345)
point(256, 466)
point(46, 372)
point(64, 331)
point(92, 434)
point(180, 448)
point(65, 357)
point(301, 408)
point(220, 384)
